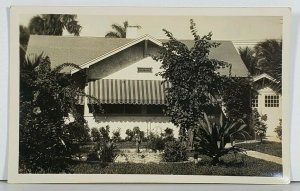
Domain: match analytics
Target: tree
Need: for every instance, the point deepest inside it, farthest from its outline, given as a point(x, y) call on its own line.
point(119, 31)
point(269, 60)
point(47, 96)
point(259, 125)
point(248, 56)
point(195, 81)
point(54, 24)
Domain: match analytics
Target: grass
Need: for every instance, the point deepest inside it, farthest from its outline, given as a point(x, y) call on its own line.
point(267, 147)
point(230, 167)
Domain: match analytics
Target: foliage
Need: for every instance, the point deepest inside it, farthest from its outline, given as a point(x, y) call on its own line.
point(155, 142)
point(196, 84)
point(168, 135)
point(259, 125)
point(103, 151)
point(24, 36)
point(174, 151)
point(46, 98)
point(278, 130)
point(95, 134)
point(54, 24)
point(130, 135)
point(119, 31)
point(116, 135)
point(248, 56)
point(211, 139)
point(104, 132)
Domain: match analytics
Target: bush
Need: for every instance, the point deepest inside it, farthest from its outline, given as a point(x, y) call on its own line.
point(278, 129)
point(155, 142)
point(129, 134)
point(116, 135)
point(174, 152)
point(105, 133)
point(95, 134)
point(104, 152)
point(168, 135)
point(260, 127)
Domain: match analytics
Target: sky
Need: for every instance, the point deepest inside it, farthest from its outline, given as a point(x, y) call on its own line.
point(251, 28)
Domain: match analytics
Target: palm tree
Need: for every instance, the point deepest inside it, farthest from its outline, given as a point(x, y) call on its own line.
point(54, 24)
point(119, 31)
point(269, 60)
point(248, 56)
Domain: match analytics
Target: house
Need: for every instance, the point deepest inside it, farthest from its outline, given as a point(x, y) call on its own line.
point(268, 102)
point(121, 74)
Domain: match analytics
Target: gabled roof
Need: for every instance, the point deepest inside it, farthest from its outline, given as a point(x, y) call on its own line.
point(85, 51)
point(262, 76)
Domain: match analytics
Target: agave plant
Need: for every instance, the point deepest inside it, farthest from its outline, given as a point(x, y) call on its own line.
point(212, 139)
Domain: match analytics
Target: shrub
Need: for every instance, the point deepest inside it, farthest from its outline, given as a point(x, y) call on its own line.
point(95, 134)
point(116, 135)
point(168, 135)
point(155, 142)
point(278, 129)
point(129, 134)
point(104, 152)
point(105, 133)
point(174, 151)
point(211, 138)
point(259, 125)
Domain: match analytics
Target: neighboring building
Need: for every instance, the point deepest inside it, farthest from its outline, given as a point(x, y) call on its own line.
point(121, 74)
point(268, 102)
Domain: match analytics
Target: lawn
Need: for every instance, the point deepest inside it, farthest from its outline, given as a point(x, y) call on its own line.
point(267, 147)
point(250, 167)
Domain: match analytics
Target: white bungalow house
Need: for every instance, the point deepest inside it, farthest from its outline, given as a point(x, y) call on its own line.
point(121, 74)
point(268, 102)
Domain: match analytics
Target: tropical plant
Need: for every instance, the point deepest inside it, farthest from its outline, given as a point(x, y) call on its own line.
point(104, 152)
point(174, 151)
point(119, 31)
point(47, 96)
point(259, 125)
point(155, 142)
point(212, 139)
point(54, 24)
point(278, 130)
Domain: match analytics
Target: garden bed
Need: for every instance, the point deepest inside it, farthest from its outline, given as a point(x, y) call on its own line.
point(267, 147)
point(230, 167)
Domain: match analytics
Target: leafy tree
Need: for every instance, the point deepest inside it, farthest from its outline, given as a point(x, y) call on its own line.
point(278, 130)
point(54, 24)
point(95, 134)
point(269, 60)
point(104, 131)
point(248, 56)
point(119, 31)
point(196, 84)
point(47, 96)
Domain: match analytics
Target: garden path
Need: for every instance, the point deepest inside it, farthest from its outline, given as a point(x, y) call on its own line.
point(264, 156)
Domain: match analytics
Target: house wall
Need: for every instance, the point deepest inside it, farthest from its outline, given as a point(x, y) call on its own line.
point(273, 113)
point(156, 124)
point(123, 65)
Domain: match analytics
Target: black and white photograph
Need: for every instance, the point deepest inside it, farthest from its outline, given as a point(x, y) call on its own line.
point(131, 91)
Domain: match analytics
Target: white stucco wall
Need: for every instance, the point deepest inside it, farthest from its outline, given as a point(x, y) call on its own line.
point(273, 113)
point(130, 72)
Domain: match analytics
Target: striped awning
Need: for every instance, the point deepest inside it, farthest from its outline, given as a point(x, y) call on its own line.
point(115, 91)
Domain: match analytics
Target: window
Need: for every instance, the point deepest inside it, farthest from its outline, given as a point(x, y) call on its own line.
point(271, 101)
point(254, 101)
point(144, 70)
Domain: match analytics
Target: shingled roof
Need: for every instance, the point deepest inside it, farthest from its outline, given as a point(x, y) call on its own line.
point(81, 50)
